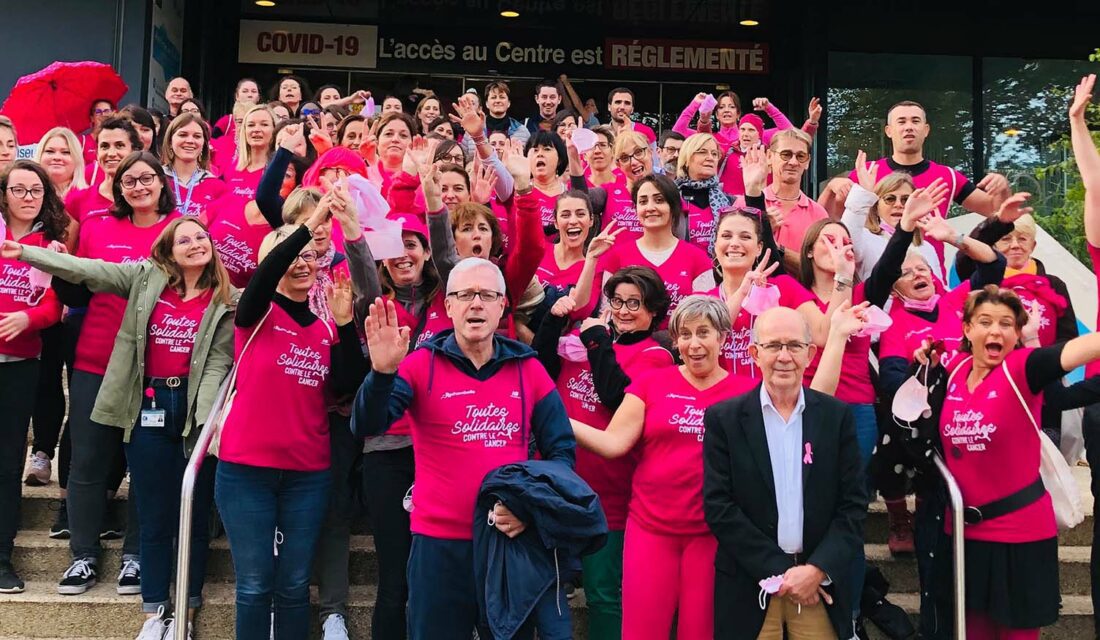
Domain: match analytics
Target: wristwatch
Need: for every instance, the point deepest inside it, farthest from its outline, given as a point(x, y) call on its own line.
point(842, 283)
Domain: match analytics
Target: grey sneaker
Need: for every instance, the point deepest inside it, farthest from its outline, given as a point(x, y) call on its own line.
point(334, 628)
point(39, 470)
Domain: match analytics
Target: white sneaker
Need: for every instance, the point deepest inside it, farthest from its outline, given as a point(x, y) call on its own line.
point(153, 629)
point(39, 470)
point(334, 628)
point(170, 630)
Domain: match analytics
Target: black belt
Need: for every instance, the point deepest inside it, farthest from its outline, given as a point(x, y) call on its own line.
point(1006, 505)
point(165, 383)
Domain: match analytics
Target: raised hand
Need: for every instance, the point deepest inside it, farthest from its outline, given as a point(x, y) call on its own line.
point(418, 154)
point(563, 306)
point(844, 257)
point(601, 320)
point(760, 104)
point(815, 109)
point(935, 227)
point(847, 319)
point(484, 182)
point(754, 170)
point(604, 241)
point(293, 138)
point(368, 147)
point(995, 184)
point(868, 175)
point(338, 295)
point(760, 272)
point(1013, 207)
point(1082, 97)
point(1029, 334)
point(469, 115)
point(11, 250)
point(429, 184)
point(520, 168)
point(922, 202)
point(387, 342)
point(840, 188)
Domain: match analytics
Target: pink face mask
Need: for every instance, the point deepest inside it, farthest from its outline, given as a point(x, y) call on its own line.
point(760, 299)
point(571, 348)
point(39, 279)
point(911, 401)
point(769, 586)
point(875, 321)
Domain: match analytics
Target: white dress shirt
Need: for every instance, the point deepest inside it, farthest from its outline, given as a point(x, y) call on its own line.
point(785, 451)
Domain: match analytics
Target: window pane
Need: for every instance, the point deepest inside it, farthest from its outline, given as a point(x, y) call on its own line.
point(862, 87)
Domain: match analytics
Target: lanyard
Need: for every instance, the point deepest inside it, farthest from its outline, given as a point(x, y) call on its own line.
point(194, 181)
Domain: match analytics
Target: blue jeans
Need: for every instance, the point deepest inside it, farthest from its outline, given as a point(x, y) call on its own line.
point(158, 457)
point(264, 509)
point(867, 437)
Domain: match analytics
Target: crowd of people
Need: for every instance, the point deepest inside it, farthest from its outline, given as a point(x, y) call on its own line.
point(541, 353)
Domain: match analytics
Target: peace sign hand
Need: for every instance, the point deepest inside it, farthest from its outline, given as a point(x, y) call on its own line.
point(604, 241)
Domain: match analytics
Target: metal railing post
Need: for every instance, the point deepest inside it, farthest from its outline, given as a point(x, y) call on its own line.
point(958, 543)
point(187, 492)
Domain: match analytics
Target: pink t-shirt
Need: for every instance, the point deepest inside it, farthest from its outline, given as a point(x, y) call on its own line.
point(667, 492)
point(610, 479)
point(1093, 368)
point(117, 240)
point(545, 205)
point(804, 213)
point(735, 356)
point(242, 183)
point(855, 385)
point(645, 131)
point(463, 428)
point(18, 295)
point(701, 225)
point(173, 326)
point(731, 178)
point(279, 417)
point(1039, 297)
point(223, 154)
point(620, 178)
point(194, 201)
point(550, 273)
point(236, 241)
point(85, 203)
point(987, 429)
point(679, 271)
point(909, 330)
point(620, 208)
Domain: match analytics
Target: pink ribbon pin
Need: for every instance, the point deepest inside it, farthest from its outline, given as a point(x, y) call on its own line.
point(809, 457)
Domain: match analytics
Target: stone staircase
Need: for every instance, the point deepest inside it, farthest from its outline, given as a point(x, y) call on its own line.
point(102, 614)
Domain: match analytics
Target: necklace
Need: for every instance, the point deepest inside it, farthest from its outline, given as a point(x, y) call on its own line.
point(794, 199)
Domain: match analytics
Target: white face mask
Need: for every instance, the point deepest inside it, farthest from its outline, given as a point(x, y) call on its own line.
point(911, 400)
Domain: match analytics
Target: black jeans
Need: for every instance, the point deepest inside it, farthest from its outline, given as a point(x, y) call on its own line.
point(49, 401)
point(1090, 425)
point(97, 451)
point(330, 560)
point(387, 476)
point(17, 383)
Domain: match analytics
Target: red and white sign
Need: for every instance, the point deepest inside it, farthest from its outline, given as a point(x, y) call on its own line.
point(686, 55)
point(308, 44)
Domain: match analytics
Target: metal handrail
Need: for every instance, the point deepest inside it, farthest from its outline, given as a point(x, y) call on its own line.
point(958, 543)
point(187, 494)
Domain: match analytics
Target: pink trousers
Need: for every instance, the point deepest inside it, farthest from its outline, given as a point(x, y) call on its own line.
point(979, 626)
point(663, 574)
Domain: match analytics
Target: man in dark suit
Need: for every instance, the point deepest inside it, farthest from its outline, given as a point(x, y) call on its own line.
point(784, 495)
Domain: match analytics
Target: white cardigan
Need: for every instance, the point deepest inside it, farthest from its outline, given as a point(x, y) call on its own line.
point(869, 246)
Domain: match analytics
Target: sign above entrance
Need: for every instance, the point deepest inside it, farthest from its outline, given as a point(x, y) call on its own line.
point(679, 55)
point(308, 44)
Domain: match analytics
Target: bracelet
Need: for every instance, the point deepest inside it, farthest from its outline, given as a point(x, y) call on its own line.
point(960, 239)
point(842, 283)
point(480, 141)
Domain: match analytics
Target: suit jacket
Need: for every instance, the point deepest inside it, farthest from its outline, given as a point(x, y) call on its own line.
point(740, 507)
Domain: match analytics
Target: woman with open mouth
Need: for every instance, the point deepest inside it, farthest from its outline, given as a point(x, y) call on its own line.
point(988, 431)
point(562, 265)
point(872, 212)
point(593, 367)
point(186, 157)
point(683, 266)
point(633, 159)
point(291, 91)
point(548, 159)
point(60, 155)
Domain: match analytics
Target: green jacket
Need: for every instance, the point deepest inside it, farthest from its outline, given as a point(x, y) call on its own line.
point(119, 401)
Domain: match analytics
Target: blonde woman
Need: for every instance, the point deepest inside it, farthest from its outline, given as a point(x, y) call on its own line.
point(255, 146)
point(60, 154)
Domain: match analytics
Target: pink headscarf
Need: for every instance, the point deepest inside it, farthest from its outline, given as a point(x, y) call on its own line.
point(336, 157)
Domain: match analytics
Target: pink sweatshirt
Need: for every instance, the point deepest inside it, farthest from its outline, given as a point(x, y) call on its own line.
point(42, 307)
point(279, 417)
point(667, 492)
point(113, 240)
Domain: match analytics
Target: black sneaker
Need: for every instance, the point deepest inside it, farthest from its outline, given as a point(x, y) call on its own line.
point(60, 528)
point(10, 582)
point(112, 528)
point(129, 578)
point(78, 578)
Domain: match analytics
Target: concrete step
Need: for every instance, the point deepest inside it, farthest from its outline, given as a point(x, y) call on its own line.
point(41, 613)
point(1074, 623)
point(39, 557)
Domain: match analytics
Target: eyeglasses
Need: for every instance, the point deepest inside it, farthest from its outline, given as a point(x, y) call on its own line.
point(892, 198)
point(307, 256)
point(632, 304)
point(21, 192)
point(669, 149)
point(801, 156)
point(485, 295)
point(456, 158)
point(708, 153)
point(146, 179)
point(310, 112)
point(793, 348)
point(637, 155)
point(334, 172)
point(102, 112)
point(602, 145)
point(187, 241)
point(193, 110)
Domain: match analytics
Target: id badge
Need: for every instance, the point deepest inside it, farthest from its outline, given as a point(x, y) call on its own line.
point(152, 417)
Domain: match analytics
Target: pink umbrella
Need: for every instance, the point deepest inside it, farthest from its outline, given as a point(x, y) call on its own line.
point(60, 95)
